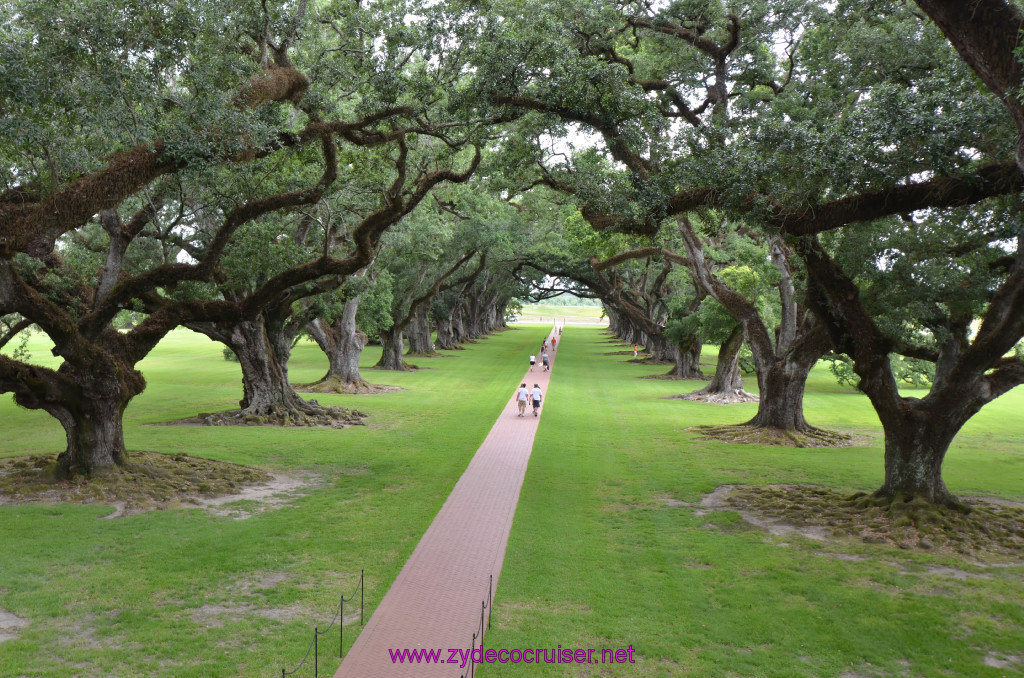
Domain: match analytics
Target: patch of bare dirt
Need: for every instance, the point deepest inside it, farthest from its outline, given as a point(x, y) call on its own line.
point(720, 500)
point(672, 501)
point(10, 625)
point(215, 616)
point(148, 481)
point(991, 531)
point(998, 660)
point(279, 490)
point(749, 435)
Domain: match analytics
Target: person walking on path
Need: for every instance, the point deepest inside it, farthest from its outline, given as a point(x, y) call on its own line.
point(533, 361)
point(537, 397)
point(553, 341)
point(544, 359)
point(521, 396)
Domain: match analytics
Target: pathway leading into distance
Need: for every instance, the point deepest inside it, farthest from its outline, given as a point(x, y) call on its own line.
point(434, 602)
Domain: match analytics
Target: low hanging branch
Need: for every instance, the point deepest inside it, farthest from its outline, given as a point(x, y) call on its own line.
point(18, 327)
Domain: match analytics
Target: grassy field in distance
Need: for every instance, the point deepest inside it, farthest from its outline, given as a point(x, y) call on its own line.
point(541, 313)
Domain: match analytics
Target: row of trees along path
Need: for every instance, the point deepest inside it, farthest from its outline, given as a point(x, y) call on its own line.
point(435, 600)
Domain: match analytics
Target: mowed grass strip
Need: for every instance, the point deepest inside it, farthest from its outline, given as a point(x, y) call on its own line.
point(546, 313)
point(605, 554)
point(185, 593)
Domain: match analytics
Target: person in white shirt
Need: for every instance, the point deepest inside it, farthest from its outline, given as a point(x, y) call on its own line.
point(536, 395)
point(521, 396)
point(533, 361)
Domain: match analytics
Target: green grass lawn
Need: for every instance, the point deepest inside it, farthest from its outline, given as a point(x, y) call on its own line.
point(568, 314)
point(184, 593)
point(601, 553)
point(599, 557)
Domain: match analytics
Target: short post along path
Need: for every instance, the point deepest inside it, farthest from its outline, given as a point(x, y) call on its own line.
point(434, 602)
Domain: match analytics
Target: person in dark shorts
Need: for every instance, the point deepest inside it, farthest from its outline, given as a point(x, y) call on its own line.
point(533, 361)
point(544, 359)
point(536, 395)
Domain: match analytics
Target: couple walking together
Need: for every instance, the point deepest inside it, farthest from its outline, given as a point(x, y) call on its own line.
point(522, 394)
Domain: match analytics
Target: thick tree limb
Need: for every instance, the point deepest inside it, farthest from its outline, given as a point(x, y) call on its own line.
point(986, 34)
point(990, 181)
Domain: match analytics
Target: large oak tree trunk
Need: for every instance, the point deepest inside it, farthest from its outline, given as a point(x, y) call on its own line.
point(92, 421)
point(445, 335)
point(263, 356)
point(783, 362)
point(687, 359)
point(391, 357)
point(459, 325)
point(913, 461)
point(781, 403)
point(727, 384)
point(88, 396)
point(343, 344)
point(662, 350)
point(418, 332)
point(613, 321)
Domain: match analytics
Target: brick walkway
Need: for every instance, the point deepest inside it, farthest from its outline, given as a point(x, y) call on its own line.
point(435, 600)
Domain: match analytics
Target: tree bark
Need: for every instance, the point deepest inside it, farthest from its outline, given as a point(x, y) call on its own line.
point(459, 334)
point(391, 357)
point(93, 423)
point(87, 395)
point(419, 331)
point(986, 33)
point(445, 334)
point(263, 355)
point(727, 384)
point(343, 344)
point(662, 350)
point(687, 358)
point(782, 385)
point(914, 453)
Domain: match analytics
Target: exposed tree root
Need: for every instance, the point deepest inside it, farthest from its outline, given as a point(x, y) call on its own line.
point(336, 385)
point(332, 417)
point(989, 529)
point(148, 479)
point(406, 367)
point(719, 397)
point(750, 435)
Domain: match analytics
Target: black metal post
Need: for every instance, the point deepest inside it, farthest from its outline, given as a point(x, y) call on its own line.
point(341, 629)
point(361, 590)
point(472, 646)
point(490, 599)
point(316, 652)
